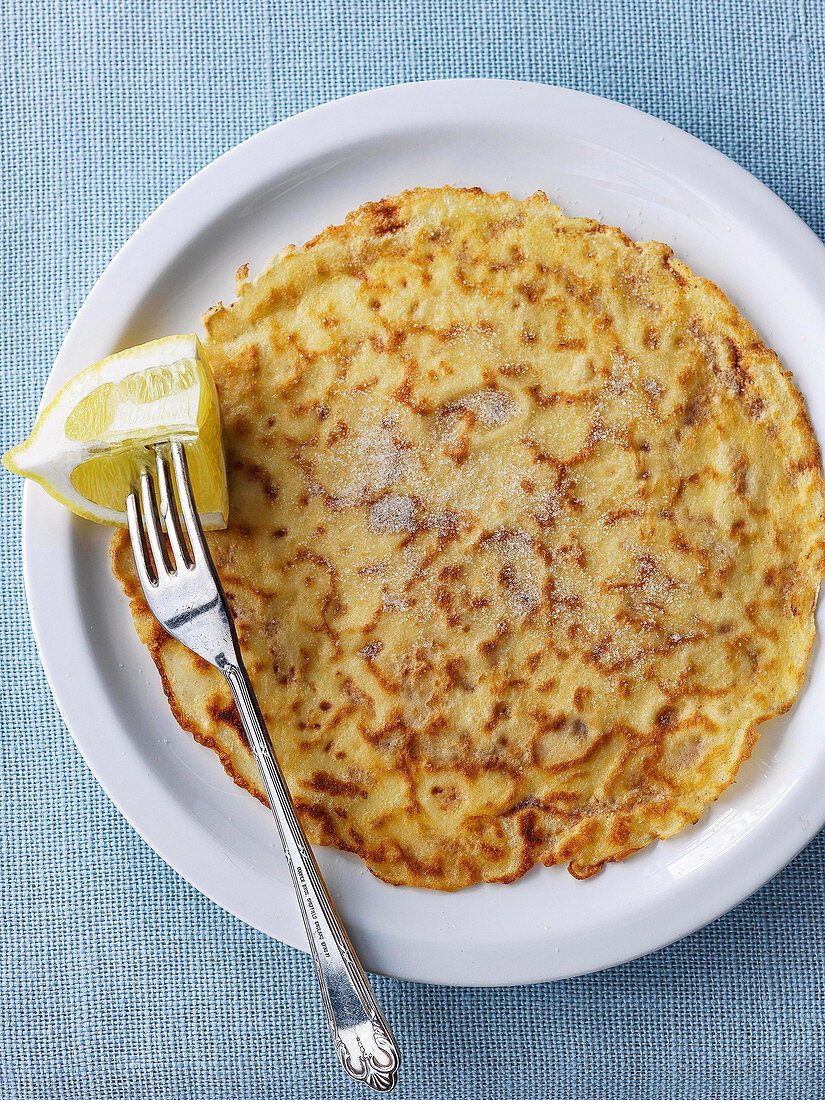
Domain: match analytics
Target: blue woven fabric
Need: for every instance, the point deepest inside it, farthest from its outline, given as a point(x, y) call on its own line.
point(117, 979)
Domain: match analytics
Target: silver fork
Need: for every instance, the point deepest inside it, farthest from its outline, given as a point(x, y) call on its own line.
point(185, 596)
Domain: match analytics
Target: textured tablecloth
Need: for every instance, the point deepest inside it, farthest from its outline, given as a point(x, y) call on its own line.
point(117, 979)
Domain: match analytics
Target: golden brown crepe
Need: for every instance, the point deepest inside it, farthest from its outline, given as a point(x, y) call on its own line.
point(525, 538)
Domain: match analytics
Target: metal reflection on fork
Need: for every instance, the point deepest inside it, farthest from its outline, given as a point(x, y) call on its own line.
point(185, 595)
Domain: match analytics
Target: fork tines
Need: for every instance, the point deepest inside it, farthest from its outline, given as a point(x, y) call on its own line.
point(175, 512)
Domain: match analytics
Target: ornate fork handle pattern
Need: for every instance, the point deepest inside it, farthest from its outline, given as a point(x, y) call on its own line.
point(363, 1040)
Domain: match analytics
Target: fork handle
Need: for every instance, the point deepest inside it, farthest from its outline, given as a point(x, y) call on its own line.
point(363, 1041)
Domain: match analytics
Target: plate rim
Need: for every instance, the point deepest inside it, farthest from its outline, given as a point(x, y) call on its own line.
point(463, 93)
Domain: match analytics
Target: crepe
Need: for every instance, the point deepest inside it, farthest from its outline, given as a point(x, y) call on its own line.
point(525, 538)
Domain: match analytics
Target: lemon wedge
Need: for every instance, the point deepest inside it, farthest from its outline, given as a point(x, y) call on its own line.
point(89, 443)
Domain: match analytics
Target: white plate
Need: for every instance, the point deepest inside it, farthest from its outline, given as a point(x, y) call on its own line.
point(284, 185)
